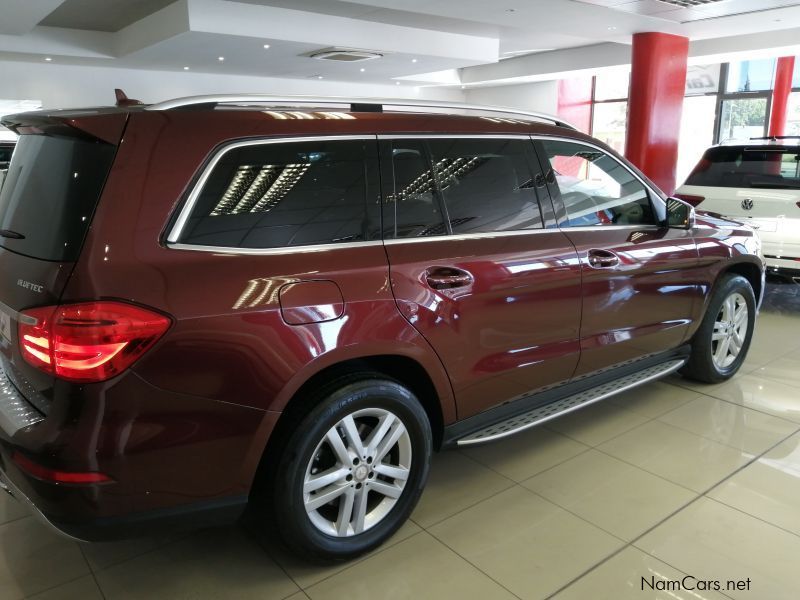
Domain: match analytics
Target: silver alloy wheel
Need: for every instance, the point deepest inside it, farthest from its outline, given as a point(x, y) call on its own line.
point(730, 331)
point(357, 472)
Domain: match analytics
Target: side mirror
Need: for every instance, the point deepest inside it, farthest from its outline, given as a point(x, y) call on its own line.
point(680, 214)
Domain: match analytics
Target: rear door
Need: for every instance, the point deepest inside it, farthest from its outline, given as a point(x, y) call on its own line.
point(638, 290)
point(475, 269)
point(47, 201)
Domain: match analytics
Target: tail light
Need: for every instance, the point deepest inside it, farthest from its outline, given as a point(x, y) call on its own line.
point(91, 341)
point(57, 476)
point(690, 198)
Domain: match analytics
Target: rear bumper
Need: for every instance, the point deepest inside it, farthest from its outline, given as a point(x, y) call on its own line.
point(202, 514)
point(783, 273)
point(174, 461)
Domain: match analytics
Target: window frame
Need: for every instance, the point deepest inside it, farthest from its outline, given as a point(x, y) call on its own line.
point(553, 214)
point(657, 203)
point(177, 223)
point(532, 160)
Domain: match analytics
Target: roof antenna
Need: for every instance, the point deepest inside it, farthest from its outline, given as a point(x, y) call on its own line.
point(123, 100)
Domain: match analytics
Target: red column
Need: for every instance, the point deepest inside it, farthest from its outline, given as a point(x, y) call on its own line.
point(575, 102)
point(780, 95)
point(658, 86)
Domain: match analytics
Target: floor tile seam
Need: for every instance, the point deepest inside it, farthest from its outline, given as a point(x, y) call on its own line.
point(52, 587)
point(478, 462)
point(469, 562)
point(25, 516)
point(358, 561)
point(458, 512)
point(91, 570)
point(585, 449)
point(710, 439)
point(752, 516)
point(574, 514)
point(797, 428)
point(751, 408)
point(279, 565)
point(647, 420)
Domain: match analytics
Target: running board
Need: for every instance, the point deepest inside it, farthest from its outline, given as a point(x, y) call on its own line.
point(549, 411)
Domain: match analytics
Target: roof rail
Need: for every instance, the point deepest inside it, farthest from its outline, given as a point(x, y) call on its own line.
point(355, 105)
point(777, 137)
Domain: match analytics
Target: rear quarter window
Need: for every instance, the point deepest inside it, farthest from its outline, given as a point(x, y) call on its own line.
point(276, 195)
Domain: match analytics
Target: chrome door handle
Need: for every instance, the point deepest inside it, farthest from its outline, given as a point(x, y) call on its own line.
point(445, 278)
point(602, 259)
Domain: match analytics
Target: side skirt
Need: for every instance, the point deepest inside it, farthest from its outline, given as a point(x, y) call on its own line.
point(511, 418)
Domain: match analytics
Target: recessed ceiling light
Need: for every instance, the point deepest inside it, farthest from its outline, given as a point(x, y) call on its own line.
point(362, 69)
point(463, 87)
point(319, 77)
point(221, 58)
point(48, 59)
point(413, 60)
point(397, 83)
point(266, 46)
point(185, 68)
point(612, 28)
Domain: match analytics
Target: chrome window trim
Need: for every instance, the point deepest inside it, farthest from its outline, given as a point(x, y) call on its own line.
point(514, 233)
point(646, 186)
point(645, 227)
point(186, 210)
point(469, 236)
point(183, 216)
point(454, 136)
point(18, 316)
point(229, 250)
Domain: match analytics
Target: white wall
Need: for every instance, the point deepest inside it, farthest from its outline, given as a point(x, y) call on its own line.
point(62, 86)
point(540, 96)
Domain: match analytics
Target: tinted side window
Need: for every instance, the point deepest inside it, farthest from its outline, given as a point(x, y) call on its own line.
point(413, 207)
point(289, 194)
point(487, 184)
point(596, 189)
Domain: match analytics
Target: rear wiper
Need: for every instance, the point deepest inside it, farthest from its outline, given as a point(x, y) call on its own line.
point(7, 233)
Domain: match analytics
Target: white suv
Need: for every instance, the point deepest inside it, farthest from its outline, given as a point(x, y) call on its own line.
point(758, 183)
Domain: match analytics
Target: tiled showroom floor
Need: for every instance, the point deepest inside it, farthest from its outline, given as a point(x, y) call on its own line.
point(666, 480)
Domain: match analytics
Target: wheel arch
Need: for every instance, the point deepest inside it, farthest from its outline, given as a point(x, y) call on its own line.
point(751, 272)
point(404, 369)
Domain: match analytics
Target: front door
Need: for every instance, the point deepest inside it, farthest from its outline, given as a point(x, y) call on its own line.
point(474, 268)
point(639, 283)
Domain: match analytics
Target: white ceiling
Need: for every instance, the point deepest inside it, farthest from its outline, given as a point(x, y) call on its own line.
point(466, 40)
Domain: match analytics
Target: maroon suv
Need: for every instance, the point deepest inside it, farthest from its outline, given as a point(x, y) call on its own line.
point(223, 302)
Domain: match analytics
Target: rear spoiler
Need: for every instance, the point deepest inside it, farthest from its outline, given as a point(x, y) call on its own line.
point(105, 124)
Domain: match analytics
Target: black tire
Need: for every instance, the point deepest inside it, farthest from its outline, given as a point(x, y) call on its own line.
point(701, 365)
point(332, 403)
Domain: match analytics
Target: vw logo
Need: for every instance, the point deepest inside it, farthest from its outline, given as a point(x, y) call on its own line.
point(747, 204)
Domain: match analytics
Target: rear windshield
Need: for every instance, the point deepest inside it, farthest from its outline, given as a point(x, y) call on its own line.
point(743, 167)
point(49, 194)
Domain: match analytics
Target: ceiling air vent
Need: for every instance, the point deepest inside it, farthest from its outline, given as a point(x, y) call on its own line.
point(344, 54)
point(689, 3)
